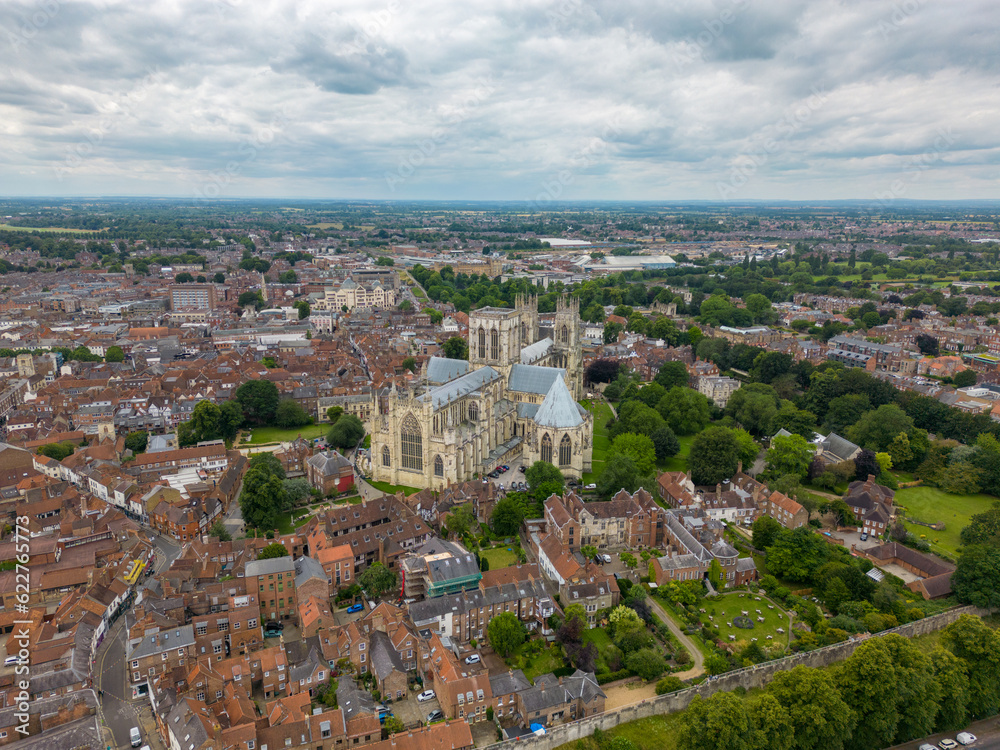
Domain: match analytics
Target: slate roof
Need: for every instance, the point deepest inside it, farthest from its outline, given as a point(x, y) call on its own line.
point(840, 447)
point(307, 568)
point(441, 370)
point(328, 463)
point(165, 640)
point(273, 565)
point(533, 378)
point(353, 700)
point(512, 681)
point(558, 410)
point(384, 658)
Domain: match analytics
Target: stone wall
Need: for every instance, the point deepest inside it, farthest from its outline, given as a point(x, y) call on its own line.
point(751, 677)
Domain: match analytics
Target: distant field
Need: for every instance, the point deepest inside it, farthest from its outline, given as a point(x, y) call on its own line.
point(327, 225)
point(932, 505)
point(264, 435)
point(62, 230)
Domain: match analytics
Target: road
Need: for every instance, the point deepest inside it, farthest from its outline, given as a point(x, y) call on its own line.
point(119, 711)
point(987, 732)
point(697, 657)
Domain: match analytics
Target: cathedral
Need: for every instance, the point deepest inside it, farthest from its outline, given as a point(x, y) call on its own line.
point(516, 397)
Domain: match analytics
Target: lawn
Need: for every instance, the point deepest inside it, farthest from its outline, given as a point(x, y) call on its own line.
point(932, 505)
point(392, 489)
point(599, 637)
point(548, 660)
point(732, 605)
point(266, 435)
point(602, 443)
point(499, 557)
point(652, 733)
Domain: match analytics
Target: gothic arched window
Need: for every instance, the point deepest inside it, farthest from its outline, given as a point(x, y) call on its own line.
point(438, 466)
point(482, 344)
point(385, 455)
point(546, 448)
point(412, 444)
point(565, 451)
point(564, 335)
point(473, 412)
point(494, 344)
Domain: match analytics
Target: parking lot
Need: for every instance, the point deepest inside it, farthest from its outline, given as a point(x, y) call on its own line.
point(513, 474)
point(410, 711)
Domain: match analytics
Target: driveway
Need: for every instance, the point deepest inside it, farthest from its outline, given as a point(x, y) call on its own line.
point(412, 712)
point(697, 658)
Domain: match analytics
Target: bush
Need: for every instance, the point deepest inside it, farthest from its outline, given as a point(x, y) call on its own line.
point(669, 684)
point(606, 677)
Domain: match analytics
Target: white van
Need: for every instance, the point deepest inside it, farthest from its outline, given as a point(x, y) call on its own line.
point(136, 736)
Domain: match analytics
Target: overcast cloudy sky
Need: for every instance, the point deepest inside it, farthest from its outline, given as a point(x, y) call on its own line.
point(502, 99)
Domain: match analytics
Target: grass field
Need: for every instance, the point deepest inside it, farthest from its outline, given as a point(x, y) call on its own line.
point(327, 225)
point(654, 733)
point(932, 505)
point(499, 557)
point(598, 636)
point(61, 230)
point(732, 605)
point(265, 435)
point(392, 489)
point(537, 664)
point(602, 415)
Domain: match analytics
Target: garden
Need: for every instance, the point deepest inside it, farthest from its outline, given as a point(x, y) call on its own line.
point(745, 616)
point(933, 505)
point(270, 435)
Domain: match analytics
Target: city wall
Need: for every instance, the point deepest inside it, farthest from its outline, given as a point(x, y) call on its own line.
point(751, 677)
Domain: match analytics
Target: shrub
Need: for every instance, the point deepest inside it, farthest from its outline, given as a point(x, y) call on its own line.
point(669, 684)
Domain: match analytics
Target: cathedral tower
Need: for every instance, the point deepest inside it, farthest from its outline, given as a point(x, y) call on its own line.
point(567, 336)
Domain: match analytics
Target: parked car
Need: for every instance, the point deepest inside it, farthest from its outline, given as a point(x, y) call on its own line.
point(472, 659)
point(947, 744)
point(427, 695)
point(521, 469)
point(505, 468)
point(384, 713)
point(435, 715)
point(135, 736)
point(359, 607)
point(606, 558)
point(598, 560)
point(925, 746)
point(966, 738)
point(591, 486)
point(10, 661)
point(864, 537)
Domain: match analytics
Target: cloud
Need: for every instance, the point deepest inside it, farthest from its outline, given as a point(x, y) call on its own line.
point(498, 99)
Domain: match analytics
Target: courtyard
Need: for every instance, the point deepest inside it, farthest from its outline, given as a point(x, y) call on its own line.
point(765, 616)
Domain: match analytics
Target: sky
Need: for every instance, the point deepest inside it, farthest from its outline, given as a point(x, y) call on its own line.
point(527, 100)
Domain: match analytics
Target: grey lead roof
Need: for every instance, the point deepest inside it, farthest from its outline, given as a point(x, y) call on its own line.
point(536, 351)
point(443, 395)
point(440, 370)
point(273, 565)
point(558, 409)
point(533, 378)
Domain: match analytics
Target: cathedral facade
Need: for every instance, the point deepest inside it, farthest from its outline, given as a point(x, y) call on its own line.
point(515, 397)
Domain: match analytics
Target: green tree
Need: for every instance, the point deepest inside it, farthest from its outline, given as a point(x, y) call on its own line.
point(274, 549)
point(137, 441)
point(346, 433)
point(665, 443)
point(978, 646)
point(685, 411)
point(507, 517)
point(766, 531)
point(964, 379)
point(114, 354)
point(620, 474)
point(918, 693)
point(289, 414)
point(670, 684)
point(219, 530)
point(950, 674)
point(183, 278)
point(505, 633)
point(789, 454)
point(795, 420)
point(876, 429)
point(268, 462)
point(646, 663)
point(749, 449)
point(377, 580)
point(259, 400)
point(759, 307)
point(797, 554)
point(900, 451)
point(612, 331)
point(672, 375)
point(262, 498)
point(57, 451)
point(719, 723)
point(869, 685)
point(334, 413)
point(715, 455)
point(769, 366)
point(296, 490)
point(304, 309)
point(287, 277)
point(819, 717)
point(770, 724)
point(976, 580)
point(410, 364)
point(393, 724)
point(639, 448)
point(455, 348)
point(754, 410)
point(219, 278)
point(542, 476)
point(843, 411)
point(250, 299)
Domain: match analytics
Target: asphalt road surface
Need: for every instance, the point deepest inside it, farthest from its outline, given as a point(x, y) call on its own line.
point(987, 732)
